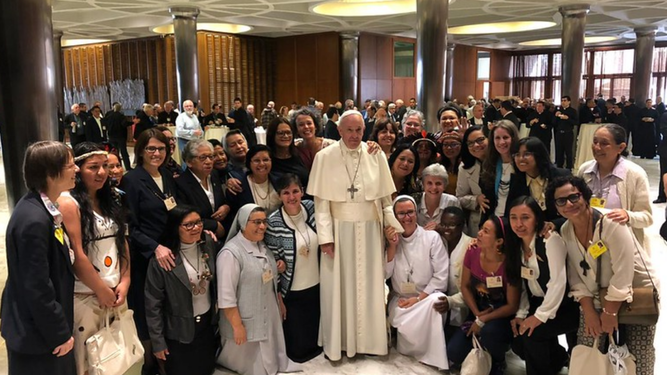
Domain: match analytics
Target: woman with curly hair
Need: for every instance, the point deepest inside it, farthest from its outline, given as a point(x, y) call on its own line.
point(404, 164)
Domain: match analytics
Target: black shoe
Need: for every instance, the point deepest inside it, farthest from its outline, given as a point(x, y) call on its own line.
point(660, 200)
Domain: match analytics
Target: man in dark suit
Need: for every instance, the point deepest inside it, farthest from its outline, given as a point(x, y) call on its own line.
point(479, 119)
point(662, 152)
point(215, 118)
point(566, 120)
point(117, 125)
point(492, 112)
point(95, 129)
point(370, 121)
point(590, 113)
point(540, 123)
point(168, 116)
point(146, 120)
point(506, 111)
point(633, 113)
point(242, 122)
point(75, 123)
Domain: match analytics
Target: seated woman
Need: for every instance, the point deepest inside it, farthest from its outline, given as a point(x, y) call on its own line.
point(257, 185)
point(491, 295)
point(418, 265)
point(181, 321)
point(292, 237)
point(285, 158)
point(451, 158)
point(545, 311)
point(95, 226)
point(403, 164)
point(468, 186)
point(622, 266)
point(434, 200)
point(252, 336)
point(199, 186)
point(533, 170)
point(457, 243)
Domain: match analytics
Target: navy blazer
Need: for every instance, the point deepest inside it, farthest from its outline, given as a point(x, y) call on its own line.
point(38, 300)
point(190, 192)
point(92, 131)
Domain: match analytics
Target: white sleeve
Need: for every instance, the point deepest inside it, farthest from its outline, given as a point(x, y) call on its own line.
point(557, 255)
point(323, 221)
point(439, 265)
point(228, 273)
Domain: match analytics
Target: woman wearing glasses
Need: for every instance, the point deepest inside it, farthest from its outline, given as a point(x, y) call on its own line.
point(418, 265)
point(619, 185)
point(150, 195)
point(257, 185)
point(621, 265)
point(533, 171)
point(180, 303)
point(468, 188)
point(199, 185)
point(250, 324)
point(285, 159)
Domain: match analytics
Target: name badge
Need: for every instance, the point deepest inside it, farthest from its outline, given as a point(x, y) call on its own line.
point(408, 288)
point(527, 273)
point(304, 251)
point(72, 257)
point(170, 203)
point(267, 276)
point(494, 282)
point(597, 249)
point(59, 235)
point(598, 202)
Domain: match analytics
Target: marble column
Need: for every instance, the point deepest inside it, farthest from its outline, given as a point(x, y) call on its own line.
point(449, 72)
point(643, 72)
point(349, 73)
point(27, 85)
point(58, 63)
point(431, 50)
point(572, 49)
point(185, 37)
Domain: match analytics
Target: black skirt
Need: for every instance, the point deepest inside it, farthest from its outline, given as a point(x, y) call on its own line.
point(197, 357)
point(302, 325)
point(24, 364)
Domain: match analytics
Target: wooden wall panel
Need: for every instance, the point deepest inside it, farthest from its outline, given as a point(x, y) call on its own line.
point(465, 73)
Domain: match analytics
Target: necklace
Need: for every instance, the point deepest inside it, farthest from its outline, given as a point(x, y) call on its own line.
point(255, 190)
point(303, 250)
point(589, 233)
point(203, 278)
point(351, 189)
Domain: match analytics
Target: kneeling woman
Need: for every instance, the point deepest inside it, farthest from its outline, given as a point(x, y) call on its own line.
point(252, 336)
point(179, 303)
point(418, 265)
point(545, 311)
point(491, 295)
point(292, 238)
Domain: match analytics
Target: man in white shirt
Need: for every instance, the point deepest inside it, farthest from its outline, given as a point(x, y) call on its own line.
point(187, 125)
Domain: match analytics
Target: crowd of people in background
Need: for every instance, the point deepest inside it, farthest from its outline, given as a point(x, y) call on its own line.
point(258, 257)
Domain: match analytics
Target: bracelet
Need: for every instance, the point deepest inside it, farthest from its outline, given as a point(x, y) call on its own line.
point(479, 322)
point(418, 299)
point(608, 313)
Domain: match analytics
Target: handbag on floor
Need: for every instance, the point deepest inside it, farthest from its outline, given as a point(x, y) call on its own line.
point(586, 360)
point(116, 346)
point(478, 361)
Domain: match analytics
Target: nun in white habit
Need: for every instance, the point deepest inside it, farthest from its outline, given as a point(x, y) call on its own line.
point(418, 265)
point(250, 323)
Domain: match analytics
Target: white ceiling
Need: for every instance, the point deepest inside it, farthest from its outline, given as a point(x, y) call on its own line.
point(126, 19)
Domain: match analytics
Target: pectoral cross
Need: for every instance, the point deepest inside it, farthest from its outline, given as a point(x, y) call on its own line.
point(352, 190)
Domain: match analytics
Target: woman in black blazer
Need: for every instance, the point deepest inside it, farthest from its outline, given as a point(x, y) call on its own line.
point(180, 304)
point(200, 186)
point(38, 300)
point(257, 184)
point(532, 163)
point(150, 191)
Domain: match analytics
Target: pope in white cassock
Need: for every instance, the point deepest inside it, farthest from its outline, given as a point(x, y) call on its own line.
point(352, 191)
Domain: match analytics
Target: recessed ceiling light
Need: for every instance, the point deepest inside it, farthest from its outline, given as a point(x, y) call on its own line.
point(364, 8)
point(227, 28)
point(500, 27)
point(557, 41)
point(79, 42)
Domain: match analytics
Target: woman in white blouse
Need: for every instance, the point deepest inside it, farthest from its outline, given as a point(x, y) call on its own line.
point(618, 267)
point(545, 311)
point(619, 185)
point(418, 265)
point(250, 323)
point(434, 200)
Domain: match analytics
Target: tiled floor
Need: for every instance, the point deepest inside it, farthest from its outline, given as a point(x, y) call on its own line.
point(396, 363)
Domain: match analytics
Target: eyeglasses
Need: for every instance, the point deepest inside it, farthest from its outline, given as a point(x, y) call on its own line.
point(193, 224)
point(259, 222)
point(153, 149)
point(573, 198)
point(260, 161)
point(479, 141)
point(206, 157)
point(451, 146)
point(413, 125)
point(285, 133)
point(525, 155)
point(402, 215)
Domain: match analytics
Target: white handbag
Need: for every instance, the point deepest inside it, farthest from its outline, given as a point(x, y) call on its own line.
point(588, 360)
point(478, 361)
point(116, 346)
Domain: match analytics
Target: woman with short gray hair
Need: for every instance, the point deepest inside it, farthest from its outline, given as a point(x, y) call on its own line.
point(200, 185)
point(433, 201)
point(412, 123)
